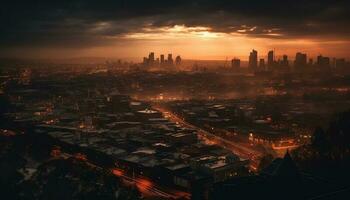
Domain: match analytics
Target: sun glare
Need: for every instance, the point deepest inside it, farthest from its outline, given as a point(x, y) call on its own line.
point(175, 32)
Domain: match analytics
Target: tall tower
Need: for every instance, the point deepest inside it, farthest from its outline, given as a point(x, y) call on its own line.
point(285, 61)
point(323, 62)
point(270, 59)
point(300, 61)
point(170, 59)
point(178, 60)
point(162, 59)
point(151, 58)
point(253, 59)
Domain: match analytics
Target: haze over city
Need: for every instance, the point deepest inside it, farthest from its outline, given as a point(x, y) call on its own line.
point(174, 100)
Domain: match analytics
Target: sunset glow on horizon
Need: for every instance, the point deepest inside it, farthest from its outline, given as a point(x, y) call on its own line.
point(200, 30)
point(170, 100)
point(198, 42)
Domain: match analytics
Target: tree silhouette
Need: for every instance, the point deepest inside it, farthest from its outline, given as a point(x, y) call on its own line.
point(319, 140)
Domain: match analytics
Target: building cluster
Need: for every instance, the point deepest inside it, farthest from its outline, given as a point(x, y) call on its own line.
point(89, 113)
point(239, 121)
point(106, 125)
point(270, 65)
point(151, 61)
point(300, 64)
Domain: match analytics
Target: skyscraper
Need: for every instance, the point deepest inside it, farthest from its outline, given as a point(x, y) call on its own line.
point(151, 58)
point(178, 60)
point(170, 59)
point(253, 59)
point(285, 62)
point(300, 61)
point(323, 62)
point(270, 59)
point(162, 59)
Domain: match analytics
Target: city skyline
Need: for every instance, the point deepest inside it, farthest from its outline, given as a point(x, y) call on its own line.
point(200, 29)
point(261, 56)
point(174, 100)
point(270, 57)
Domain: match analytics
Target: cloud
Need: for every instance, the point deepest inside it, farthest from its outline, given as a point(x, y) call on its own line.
point(79, 23)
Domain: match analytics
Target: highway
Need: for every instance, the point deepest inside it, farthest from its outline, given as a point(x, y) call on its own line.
point(144, 185)
point(242, 151)
point(147, 187)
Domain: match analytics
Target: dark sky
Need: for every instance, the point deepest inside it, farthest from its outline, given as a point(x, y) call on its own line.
point(87, 26)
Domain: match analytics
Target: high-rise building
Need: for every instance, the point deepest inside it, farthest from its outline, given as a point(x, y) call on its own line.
point(236, 63)
point(253, 59)
point(151, 58)
point(323, 62)
point(270, 59)
point(285, 62)
point(162, 61)
point(178, 60)
point(170, 59)
point(300, 61)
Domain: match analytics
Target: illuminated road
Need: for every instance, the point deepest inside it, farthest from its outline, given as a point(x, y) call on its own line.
point(148, 187)
point(144, 185)
point(242, 151)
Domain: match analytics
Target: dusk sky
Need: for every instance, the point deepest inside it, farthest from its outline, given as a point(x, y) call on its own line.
point(195, 29)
